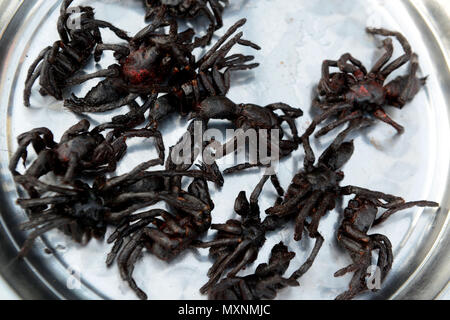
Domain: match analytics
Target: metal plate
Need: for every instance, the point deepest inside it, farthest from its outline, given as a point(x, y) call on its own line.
point(295, 36)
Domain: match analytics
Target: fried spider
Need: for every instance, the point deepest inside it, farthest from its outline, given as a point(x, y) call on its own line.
point(79, 152)
point(155, 62)
point(237, 243)
point(56, 65)
point(315, 190)
point(190, 9)
point(359, 216)
point(354, 93)
point(251, 116)
point(163, 233)
point(83, 211)
point(263, 284)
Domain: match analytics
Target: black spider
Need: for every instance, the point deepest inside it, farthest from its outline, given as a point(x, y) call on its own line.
point(56, 65)
point(353, 93)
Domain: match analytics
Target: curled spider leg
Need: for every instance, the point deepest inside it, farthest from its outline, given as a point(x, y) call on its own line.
point(397, 63)
point(375, 196)
point(312, 257)
point(404, 206)
point(353, 68)
point(389, 48)
point(126, 260)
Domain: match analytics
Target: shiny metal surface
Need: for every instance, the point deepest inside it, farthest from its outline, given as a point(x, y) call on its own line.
point(295, 37)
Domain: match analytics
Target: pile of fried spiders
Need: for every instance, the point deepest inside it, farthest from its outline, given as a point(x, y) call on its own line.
point(156, 75)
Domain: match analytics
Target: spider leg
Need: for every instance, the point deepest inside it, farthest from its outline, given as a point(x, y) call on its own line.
point(389, 48)
point(218, 242)
point(287, 109)
point(350, 268)
point(216, 264)
point(217, 9)
point(346, 67)
point(78, 105)
point(228, 227)
point(288, 207)
point(24, 141)
point(216, 276)
point(381, 115)
point(149, 133)
point(40, 219)
point(375, 196)
point(250, 255)
point(105, 73)
point(403, 206)
point(324, 204)
point(358, 282)
point(218, 53)
point(305, 211)
point(124, 260)
point(208, 84)
point(310, 158)
point(40, 231)
point(385, 255)
point(397, 63)
point(241, 167)
point(72, 132)
point(103, 24)
point(294, 131)
point(206, 39)
point(325, 115)
point(257, 191)
point(324, 83)
point(312, 257)
point(219, 80)
point(333, 125)
point(30, 203)
point(413, 84)
point(119, 50)
point(30, 180)
point(33, 73)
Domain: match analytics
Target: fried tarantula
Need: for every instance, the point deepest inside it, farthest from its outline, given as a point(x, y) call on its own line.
point(250, 116)
point(79, 152)
point(56, 65)
point(83, 211)
point(353, 93)
point(237, 243)
point(315, 189)
point(163, 233)
point(155, 62)
point(359, 216)
point(263, 284)
point(190, 9)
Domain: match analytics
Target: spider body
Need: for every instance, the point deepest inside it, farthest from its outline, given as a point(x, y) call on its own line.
point(154, 62)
